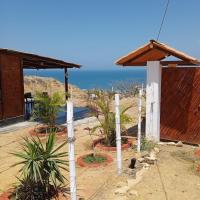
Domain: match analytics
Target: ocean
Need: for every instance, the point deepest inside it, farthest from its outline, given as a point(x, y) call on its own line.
point(88, 79)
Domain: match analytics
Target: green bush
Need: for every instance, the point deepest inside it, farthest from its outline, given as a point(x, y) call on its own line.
point(47, 107)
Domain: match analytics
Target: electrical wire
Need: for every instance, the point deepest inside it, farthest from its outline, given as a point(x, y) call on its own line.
point(163, 19)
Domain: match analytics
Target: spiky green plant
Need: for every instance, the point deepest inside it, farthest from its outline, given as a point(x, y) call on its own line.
point(101, 108)
point(41, 164)
point(47, 107)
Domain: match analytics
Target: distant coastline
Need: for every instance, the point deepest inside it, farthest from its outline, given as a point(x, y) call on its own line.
point(88, 79)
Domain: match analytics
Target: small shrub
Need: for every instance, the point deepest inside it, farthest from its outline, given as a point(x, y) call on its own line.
point(94, 158)
point(147, 145)
point(47, 107)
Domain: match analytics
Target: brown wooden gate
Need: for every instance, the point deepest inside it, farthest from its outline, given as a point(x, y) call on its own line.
point(180, 104)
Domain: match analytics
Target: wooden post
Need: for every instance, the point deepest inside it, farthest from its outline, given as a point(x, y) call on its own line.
point(71, 139)
point(118, 135)
point(139, 120)
point(66, 83)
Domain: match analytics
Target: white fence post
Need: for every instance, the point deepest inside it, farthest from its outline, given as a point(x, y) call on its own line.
point(118, 135)
point(71, 139)
point(139, 120)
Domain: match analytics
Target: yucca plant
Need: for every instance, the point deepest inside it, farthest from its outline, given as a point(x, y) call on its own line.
point(40, 173)
point(101, 108)
point(47, 108)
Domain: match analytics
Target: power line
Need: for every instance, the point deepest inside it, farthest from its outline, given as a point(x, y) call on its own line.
point(163, 19)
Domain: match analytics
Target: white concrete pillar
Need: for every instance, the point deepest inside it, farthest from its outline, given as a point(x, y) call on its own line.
point(153, 96)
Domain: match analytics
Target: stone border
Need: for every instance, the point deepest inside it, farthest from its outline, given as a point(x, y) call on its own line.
point(98, 145)
point(60, 133)
point(82, 163)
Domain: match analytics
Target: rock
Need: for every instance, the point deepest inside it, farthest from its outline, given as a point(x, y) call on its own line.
point(152, 155)
point(151, 158)
point(156, 149)
point(179, 144)
point(141, 160)
point(122, 191)
point(132, 182)
point(146, 165)
point(133, 193)
point(121, 184)
point(161, 143)
point(144, 154)
point(131, 172)
point(149, 161)
point(171, 143)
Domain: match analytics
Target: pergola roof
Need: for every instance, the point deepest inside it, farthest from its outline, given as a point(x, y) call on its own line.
point(156, 51)
point(33, 61)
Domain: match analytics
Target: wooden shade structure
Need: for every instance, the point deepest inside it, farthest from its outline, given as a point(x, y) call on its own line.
point(156, 51)
point(33, 61)
point(12, 64)
point(172, 93)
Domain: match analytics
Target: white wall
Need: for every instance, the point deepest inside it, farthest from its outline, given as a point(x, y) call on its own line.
point(153, 96)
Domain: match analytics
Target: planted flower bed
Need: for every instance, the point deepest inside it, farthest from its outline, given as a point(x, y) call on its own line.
point(102, 108)
point(101, 145)
point(43, 130)
point(91, 160)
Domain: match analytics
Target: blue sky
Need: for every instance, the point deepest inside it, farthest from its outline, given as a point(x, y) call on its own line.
point(95, 33)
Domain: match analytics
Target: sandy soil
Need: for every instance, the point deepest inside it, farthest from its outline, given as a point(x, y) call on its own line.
point(88, 180)
point(172, 178)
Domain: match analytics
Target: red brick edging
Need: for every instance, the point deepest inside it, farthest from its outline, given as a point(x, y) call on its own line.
point(82, 163)
point(97, 143)
point(32, 132)
point(5, 195)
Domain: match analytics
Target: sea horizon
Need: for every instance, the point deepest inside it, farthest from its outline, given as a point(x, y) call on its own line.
point(89, 79)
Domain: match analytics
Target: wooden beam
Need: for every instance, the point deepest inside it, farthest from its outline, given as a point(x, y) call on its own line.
point(41, 65)
point(66, 84)
point(38, 58)
point(172, 65)
point(163, 63)
point(139, 55)
point(173, 54)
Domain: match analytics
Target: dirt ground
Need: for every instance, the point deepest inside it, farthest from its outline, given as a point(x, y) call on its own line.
point(88, 179)
point(172, 178)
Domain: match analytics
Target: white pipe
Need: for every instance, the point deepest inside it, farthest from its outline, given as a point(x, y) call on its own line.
point(72, 168)
point(139, 120)
point(118, 135)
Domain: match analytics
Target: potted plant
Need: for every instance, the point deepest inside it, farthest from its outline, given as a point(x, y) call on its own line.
point(46, 109)
point(40, 174)
point(101, 108)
